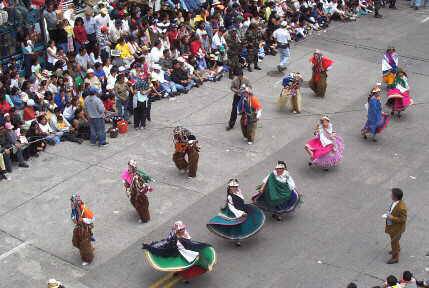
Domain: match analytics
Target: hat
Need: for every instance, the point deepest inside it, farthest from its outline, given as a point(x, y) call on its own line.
point(93, 91)
point(233, 183)
point(8, 126)
point(317, 51)
point(90, 71)
point(30, 102)
point(216, 2)
point(283, 24)
point(132, 163)
point(156, 67)
point(52, 283)
point(122, 69)
point(87, 221)
point(118, 22)
point(324, 117)
point(281, 165)
point(104, 10)
point(178, 225)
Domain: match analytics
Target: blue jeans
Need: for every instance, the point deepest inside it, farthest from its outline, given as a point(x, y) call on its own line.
point(97, 130)
point(168, 87)
point(188, 86)
point(121, 108)
point(419, 3)
point(284, 56)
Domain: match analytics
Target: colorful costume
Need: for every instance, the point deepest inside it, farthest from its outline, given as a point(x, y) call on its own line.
point(185, 144)
point(250, 110)
point(178, 253)
point(321, 64)
point(377, 120)
point(326, 148)
point(237, 220)
point(398, 98)
point(291, 93)
point(389, 66)
point(277, 194)
point(136, 186)
point(83, 218)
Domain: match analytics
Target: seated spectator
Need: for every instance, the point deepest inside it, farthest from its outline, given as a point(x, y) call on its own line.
point(83, 59)
point(81, 125)
point(36, 139)
point(46, 130)
point(29, 114)
point(12, 147)
point(392, 282)
point(92, 80)
point(62, 127)
point(165, 87)
point(408, 280)
point(181, 79)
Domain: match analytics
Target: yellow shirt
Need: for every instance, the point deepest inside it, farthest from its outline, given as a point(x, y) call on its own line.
point(124, 49)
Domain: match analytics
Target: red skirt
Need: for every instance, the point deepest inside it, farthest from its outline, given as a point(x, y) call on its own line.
point(315, 146)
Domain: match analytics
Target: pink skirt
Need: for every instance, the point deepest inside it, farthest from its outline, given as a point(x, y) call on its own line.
point(397, 100)
point(333, 158)
point(315, 146)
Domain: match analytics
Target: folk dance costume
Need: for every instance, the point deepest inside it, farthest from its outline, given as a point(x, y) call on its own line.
point(277, 194)
point(398, 98)
point(237, 220)
point(179, 253)
point(136, 187)
point(83, 218)
point(291, 93)
point(377, 120)
point(250, 110)
point(326, 148)
point(321, 64)
point(389, 66)
point(186, 145)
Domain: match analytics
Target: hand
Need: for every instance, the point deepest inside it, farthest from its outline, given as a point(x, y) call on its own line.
point(389, 217)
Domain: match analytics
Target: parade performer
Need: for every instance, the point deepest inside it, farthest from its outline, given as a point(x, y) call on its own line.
point(238, 81)
point(136, 184)
point(291, 93)
point(389, 66)
point(186, 145)
point(250, 110)
point(398, 98)
point(83, 218)
point(377, 120)
point(326, 148)
point(277, 194)
point(178, 253)
point(321, 64)
point(237, 220)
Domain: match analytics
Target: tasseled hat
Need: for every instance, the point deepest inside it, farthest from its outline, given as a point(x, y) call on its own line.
point(233, 183)
point(281, 165)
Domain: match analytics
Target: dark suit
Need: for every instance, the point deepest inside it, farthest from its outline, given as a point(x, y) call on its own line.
point(396, 226)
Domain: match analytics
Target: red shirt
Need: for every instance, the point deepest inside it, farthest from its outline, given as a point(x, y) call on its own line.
point(4, 107)
point(195, 46)
point(80, 34)
point(29, 114)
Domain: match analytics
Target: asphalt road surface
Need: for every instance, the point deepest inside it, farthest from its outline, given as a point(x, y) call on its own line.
point(336, 236)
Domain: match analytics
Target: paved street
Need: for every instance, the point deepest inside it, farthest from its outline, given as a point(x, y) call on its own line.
point(336, 236)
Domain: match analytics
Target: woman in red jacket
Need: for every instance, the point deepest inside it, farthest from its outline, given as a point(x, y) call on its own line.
point(80, 36)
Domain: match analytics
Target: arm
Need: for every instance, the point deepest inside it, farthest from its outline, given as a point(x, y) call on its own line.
point(402, 218)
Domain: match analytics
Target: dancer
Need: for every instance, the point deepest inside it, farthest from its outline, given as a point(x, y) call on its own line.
point(326, 148)
point(136, 187)
point(186, 145)
point(277, 194)
point(250, 110)
point(178, 253)
point(377, 120)
point(389, 66)
point(237, 220)
point(321, 64)
point(398, 98)
point(291, 93)
point(83, 218)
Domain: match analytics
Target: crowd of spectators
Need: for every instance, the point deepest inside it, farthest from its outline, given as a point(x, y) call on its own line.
point(406, 281)
point(116, 58)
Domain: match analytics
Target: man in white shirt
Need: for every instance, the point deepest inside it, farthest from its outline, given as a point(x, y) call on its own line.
point(102, 19)
point(157, 52)
point(167, 88)
point(283, 38)
point(83, 59)
point(218, 41)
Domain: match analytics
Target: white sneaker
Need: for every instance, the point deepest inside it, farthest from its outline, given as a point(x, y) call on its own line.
point(140, 221)
point(250, 142)
point(85, 263)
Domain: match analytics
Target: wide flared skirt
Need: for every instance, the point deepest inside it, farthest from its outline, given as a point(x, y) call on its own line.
point(283, 208)
point(315, 146)
point(380, 126)
point(205, 260)
point(333, 158)
point(238, 229)
point(398, 101)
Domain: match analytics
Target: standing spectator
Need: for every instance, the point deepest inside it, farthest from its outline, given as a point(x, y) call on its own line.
point(102, 19)
point(141, 105)
point(396, 219)
point(94, 108)
point(122, 92)
point(282, 37)
point(51, 20)
point(252, 38)
point(80, 35)
point(27, 50)
point(51, 51)
point(90, 26)
point(83, 59)
point(238, 81)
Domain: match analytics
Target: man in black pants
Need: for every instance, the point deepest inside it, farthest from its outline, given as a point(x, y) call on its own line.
point(392, 4)
point(377, 5)
point(238, 81)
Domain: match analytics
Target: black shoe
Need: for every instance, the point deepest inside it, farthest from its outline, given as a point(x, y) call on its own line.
point(104, 144)
point(228, 128)
point(378, 16)
point(249, 68)
point(23, 165)
point(257, 67)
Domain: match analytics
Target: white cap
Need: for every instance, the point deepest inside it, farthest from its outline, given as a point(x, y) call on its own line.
point(283, 24)
point(90, 71)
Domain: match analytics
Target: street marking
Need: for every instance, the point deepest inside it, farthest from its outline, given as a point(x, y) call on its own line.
point(162, 280)
point(425, 20)
point(12, 251)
